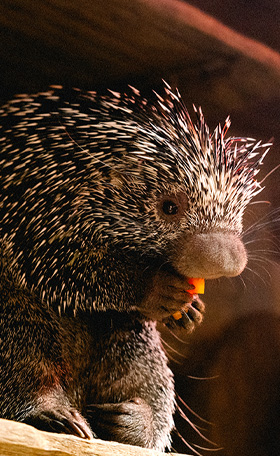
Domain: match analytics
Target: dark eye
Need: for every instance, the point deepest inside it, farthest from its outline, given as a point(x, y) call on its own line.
point(169, 208)
point(172, 207)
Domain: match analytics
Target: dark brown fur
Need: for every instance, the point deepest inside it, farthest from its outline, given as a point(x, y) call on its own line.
point(107, 206)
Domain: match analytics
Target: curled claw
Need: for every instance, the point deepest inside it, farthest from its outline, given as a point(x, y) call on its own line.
point(65, 422)
point(187, 318)
point(80, 426)
point(54, 413)
point(190, 315)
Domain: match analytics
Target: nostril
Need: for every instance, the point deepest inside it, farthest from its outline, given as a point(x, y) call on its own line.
point(210, 255)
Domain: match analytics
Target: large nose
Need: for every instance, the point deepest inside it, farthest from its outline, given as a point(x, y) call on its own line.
point(210, 255)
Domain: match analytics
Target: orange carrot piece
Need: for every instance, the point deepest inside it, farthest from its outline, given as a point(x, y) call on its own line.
point(199, 289)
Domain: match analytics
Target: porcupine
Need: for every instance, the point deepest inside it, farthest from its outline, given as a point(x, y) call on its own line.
point(108, 204)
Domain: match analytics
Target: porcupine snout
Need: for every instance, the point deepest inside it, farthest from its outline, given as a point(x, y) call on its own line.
point(210, 255)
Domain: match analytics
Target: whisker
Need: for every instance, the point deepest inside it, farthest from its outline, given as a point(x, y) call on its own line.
point(258, 275)
point(192, 411)
point(273, 252)
point(168, 354)
point(203, 378)
point(188, 445)
point(267, 223)
point(172, 349)
point(262, 240)
point(195, 427)
point(207, 449)
point(270, 172)
point(176, 337)
point(243, 282)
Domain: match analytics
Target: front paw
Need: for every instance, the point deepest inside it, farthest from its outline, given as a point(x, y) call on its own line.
point(54, 413)
point(187, 318)
point(129, 422)
point(165, 295)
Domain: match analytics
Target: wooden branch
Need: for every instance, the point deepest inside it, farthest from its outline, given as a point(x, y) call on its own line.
point(96, 43)
point(22, 439)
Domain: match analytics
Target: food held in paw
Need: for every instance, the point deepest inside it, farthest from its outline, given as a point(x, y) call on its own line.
point(199, 285)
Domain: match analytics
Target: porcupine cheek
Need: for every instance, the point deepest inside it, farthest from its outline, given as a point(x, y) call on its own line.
point(210, 255)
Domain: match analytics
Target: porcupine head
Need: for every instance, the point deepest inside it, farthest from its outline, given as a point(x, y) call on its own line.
point(119, 200)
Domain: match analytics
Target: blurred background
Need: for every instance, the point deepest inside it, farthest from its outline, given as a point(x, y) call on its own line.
point(223, 56)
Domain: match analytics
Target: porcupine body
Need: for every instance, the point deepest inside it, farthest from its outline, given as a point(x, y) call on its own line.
point(107, 205)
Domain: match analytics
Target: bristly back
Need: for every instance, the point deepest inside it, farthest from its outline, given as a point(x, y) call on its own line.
point(82, 172)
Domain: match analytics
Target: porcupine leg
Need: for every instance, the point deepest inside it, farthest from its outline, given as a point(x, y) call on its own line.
point(135, 402)
point(128, 422)
point(32, 371)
